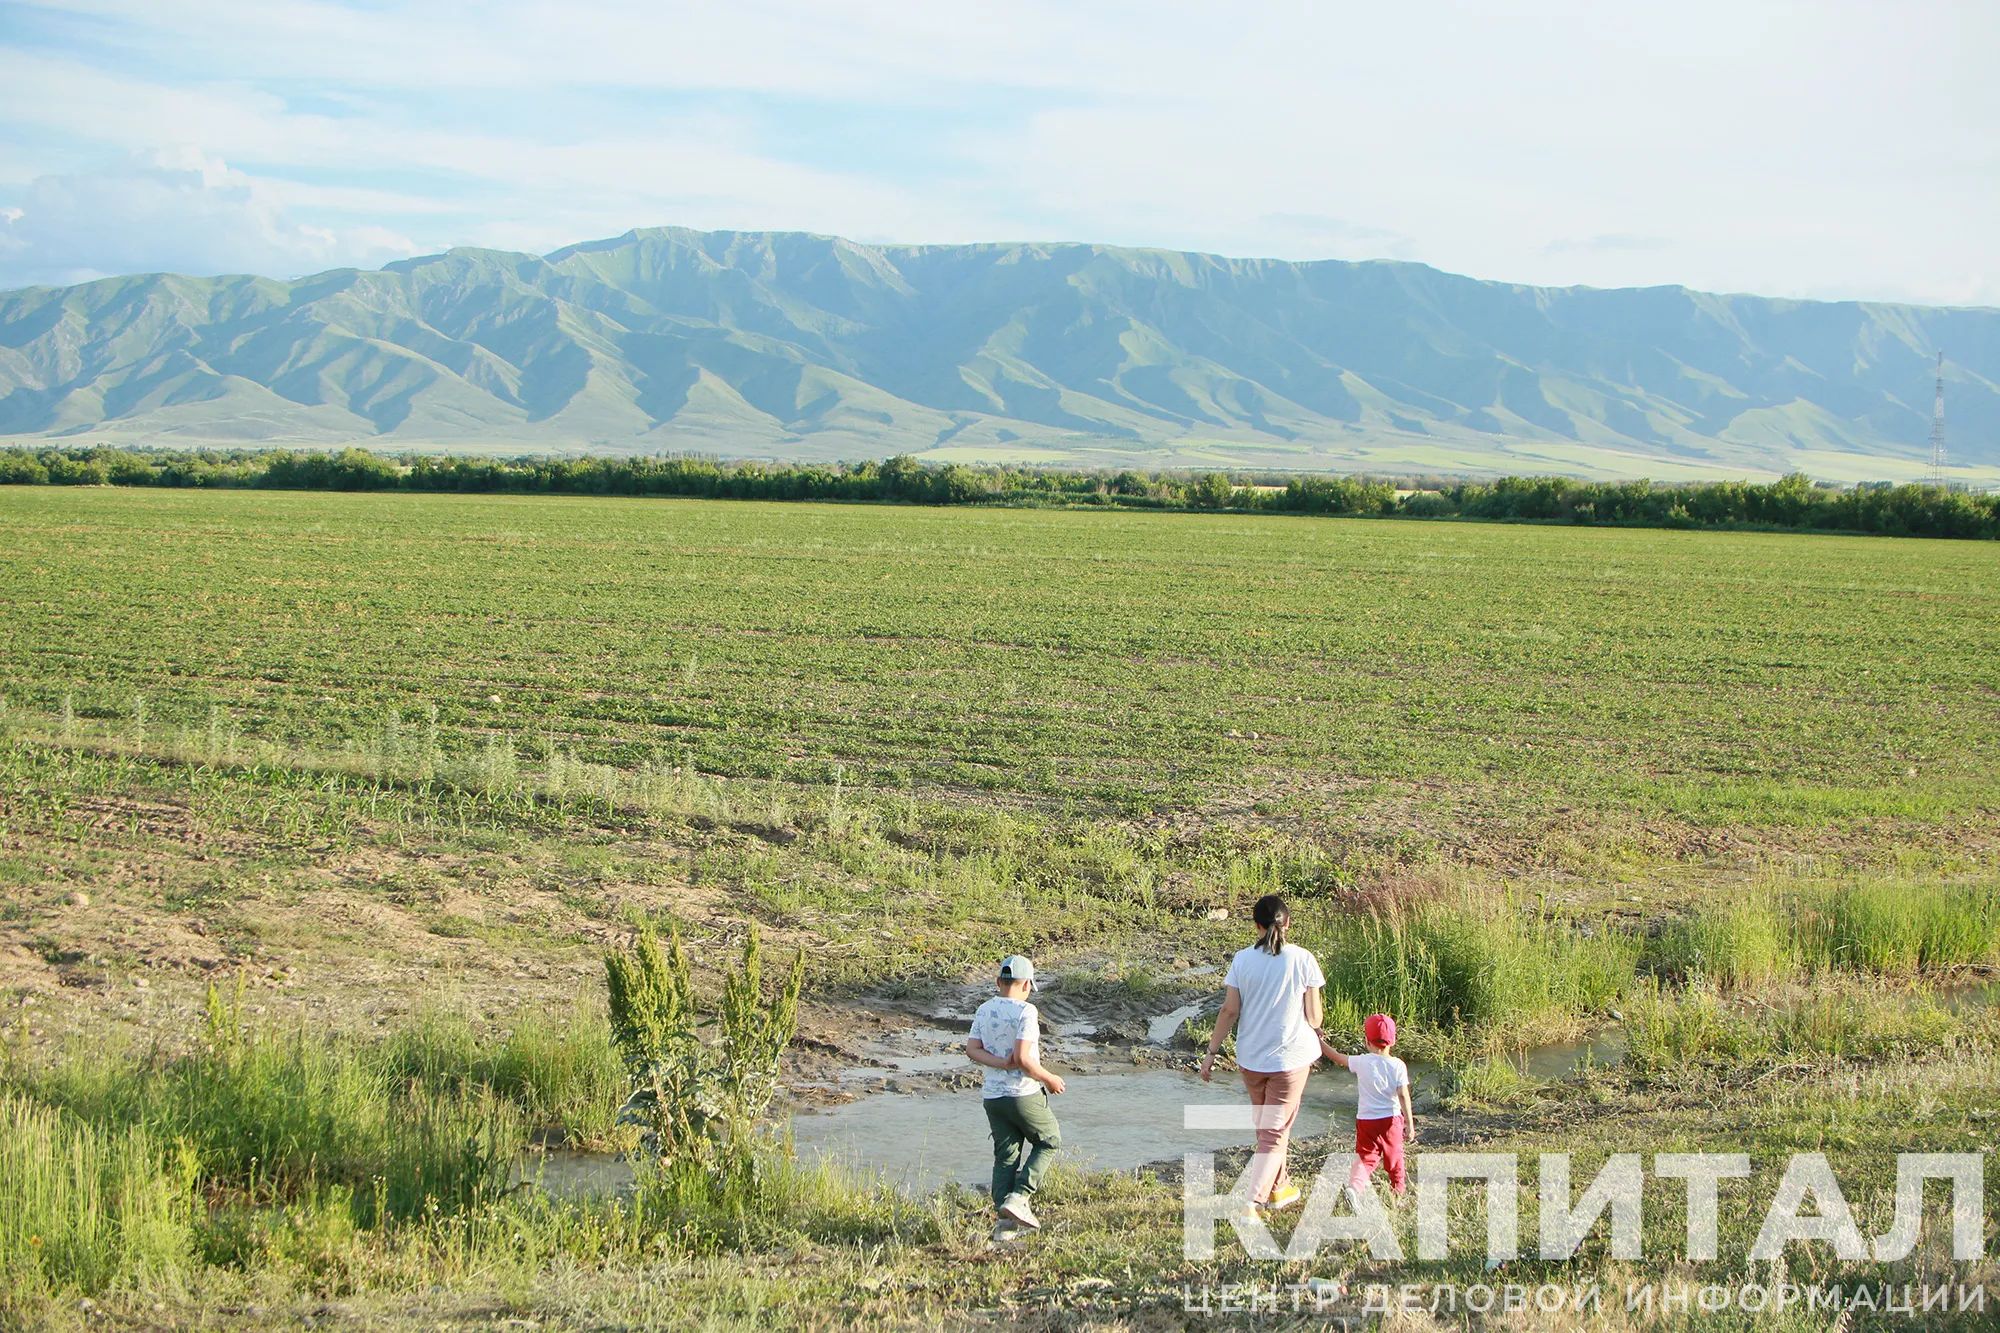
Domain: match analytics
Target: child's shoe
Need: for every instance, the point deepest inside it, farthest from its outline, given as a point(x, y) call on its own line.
point(1015, 1206)
point(1283, 1197)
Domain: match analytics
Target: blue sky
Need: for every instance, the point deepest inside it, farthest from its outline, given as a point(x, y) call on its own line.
point(1818, 149)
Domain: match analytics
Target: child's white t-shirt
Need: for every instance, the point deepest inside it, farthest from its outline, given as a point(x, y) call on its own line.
point(1000, 1025)
point(1376, 1079)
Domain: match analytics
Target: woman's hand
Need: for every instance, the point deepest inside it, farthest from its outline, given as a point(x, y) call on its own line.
point(1225, 1023)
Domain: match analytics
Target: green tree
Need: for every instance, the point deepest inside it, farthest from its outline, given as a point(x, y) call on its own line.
point(1211, 490)
point(18, 467)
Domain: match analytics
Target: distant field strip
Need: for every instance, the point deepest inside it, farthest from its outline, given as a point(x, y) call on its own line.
point(1147, 660)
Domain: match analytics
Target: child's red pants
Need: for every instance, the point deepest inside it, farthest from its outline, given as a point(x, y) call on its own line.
point(1378, 1141)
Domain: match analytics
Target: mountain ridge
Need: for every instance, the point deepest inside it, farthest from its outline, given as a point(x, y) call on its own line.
point(799, 345)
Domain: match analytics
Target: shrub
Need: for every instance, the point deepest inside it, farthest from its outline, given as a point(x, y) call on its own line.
point(704, 1105)
point(1427, 504)
point(1793, 502)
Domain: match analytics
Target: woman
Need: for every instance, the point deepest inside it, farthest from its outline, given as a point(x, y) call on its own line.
point(1271, 1001)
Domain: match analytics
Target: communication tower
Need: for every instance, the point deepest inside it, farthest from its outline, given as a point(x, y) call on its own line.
point(1936, 475)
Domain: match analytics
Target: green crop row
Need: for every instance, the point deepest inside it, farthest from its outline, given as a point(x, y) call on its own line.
point(1138, 661)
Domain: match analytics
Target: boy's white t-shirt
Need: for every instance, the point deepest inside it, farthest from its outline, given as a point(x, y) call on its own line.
point(1376, 1079)
point(1271, 1032)
point(1000, 1025)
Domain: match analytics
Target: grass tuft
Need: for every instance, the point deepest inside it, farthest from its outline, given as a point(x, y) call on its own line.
point(1444, 966)
point(88, 1207)
point(1675, 1033)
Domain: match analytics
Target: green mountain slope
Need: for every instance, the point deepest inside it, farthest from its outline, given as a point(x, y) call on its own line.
point(799, 346)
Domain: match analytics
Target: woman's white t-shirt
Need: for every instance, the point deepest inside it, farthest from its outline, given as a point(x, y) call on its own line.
point(1271, 1032)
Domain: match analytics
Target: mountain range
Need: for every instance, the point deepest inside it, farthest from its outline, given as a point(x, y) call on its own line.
point(788, 345)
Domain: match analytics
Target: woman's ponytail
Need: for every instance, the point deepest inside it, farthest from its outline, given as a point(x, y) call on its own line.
point(1272, 916)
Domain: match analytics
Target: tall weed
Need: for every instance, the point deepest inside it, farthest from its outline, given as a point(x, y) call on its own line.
point(277, 1117)
point(1488, 964)
point(1697, 1027)
point(88, 1207)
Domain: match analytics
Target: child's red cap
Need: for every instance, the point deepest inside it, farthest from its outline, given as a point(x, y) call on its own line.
point(1380, 1030)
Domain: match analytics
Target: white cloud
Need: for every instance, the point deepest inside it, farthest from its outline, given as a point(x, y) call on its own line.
point(882, 50)
point(1563, 245)
point(173, 209)
point(700, 167)
point(1837, 146)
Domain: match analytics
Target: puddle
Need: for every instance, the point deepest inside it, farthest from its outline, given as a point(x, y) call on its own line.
point(574, 1176)
point(1561, 1061)
point(1115, 1118)
point(1112, 1119)
point(1983, 993)
point(1161, 1030)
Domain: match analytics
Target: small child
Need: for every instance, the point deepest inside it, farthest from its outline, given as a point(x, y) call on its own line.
point(1006, 1038)
point(1383, 1119)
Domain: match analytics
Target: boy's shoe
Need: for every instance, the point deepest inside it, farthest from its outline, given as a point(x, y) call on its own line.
point(1283, 1197)
point(1015, 1206)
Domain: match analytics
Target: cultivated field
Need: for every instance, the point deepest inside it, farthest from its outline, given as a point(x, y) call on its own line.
point(391, 773)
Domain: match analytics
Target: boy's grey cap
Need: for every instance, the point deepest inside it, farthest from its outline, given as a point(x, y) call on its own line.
point(1016, 967)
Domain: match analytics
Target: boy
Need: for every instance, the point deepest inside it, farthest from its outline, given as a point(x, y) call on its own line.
point(1007, 1038)
point(1383, 1119)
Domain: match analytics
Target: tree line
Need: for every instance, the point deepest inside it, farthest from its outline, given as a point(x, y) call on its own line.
point(1791, 502)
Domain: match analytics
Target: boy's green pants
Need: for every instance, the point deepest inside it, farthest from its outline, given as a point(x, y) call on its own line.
point(1025, 1136)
